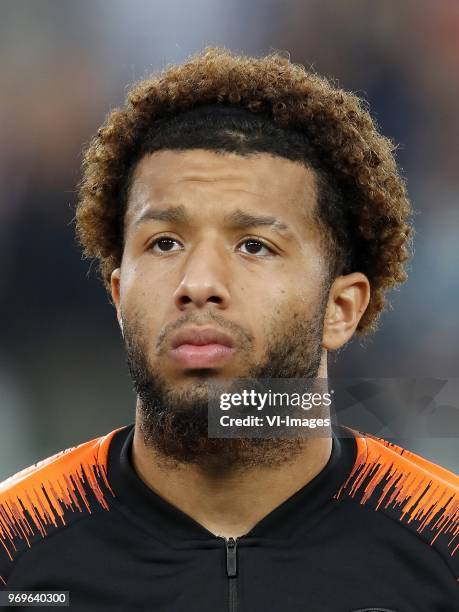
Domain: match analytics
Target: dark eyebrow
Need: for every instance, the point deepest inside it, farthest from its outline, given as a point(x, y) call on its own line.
point(173, 213)
point(237, 219)
point(241, 220)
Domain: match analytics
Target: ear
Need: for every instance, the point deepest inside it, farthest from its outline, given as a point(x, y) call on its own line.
point(115, 290)
point(348, 299)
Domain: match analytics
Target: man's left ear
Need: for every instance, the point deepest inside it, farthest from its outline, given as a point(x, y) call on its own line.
point(348, 299)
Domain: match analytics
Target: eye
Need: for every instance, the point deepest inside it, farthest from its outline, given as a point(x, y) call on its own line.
point(255, 246)
point(164, 244)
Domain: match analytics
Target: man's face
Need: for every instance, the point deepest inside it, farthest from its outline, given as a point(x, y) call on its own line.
point(218, 243)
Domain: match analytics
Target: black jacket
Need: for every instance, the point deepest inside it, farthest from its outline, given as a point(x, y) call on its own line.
point(377, 528)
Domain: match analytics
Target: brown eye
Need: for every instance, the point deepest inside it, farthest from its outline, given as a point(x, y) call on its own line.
point(255, 247)
point(164, 245)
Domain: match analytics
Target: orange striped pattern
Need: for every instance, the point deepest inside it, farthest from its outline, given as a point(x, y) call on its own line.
point(38, 498)
point(417, 489)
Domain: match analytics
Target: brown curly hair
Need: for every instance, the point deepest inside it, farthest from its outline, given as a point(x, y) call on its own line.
point(341, 132)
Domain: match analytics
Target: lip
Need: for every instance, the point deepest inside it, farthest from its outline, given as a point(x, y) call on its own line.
point(200, 337)
point(201, 348)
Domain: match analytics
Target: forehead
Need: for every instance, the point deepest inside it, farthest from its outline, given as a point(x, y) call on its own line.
point(266, 181)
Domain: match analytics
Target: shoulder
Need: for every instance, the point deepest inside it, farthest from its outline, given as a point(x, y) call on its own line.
point(419, 494)
point(47, 496)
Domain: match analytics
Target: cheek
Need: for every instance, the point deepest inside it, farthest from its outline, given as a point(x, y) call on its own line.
point(291, 295)
point(141, 301)
point(289, 302)
point(305, 287)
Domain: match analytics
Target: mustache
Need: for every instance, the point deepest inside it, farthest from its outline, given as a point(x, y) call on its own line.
point(243, 337)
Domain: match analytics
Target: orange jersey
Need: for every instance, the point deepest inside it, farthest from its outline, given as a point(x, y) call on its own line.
point(377, 528)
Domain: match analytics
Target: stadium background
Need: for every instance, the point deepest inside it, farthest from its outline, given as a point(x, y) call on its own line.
point(64, 64)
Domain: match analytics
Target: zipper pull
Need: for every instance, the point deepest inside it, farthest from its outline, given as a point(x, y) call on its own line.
point(231, 559)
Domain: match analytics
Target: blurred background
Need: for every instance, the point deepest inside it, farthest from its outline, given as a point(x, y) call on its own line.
point(65, 64)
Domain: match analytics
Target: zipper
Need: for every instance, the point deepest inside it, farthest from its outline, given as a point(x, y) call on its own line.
point(231, 571)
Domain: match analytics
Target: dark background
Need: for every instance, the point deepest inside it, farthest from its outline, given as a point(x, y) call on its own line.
point(65, 64)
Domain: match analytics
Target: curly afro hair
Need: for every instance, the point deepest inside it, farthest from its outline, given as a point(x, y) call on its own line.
point(289, 111)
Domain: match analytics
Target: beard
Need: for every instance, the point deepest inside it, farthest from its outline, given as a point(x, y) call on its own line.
point(173, 421)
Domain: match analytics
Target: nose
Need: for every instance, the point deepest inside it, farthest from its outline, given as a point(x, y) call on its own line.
point(204, 280)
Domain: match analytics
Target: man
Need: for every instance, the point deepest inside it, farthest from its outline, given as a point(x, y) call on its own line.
point(248, 219)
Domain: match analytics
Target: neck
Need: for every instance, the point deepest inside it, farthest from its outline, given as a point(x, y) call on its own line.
point(230, 504)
